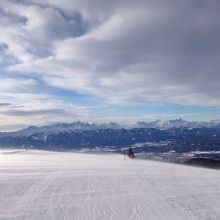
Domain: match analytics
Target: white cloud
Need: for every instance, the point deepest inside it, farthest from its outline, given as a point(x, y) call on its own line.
point(122, 51)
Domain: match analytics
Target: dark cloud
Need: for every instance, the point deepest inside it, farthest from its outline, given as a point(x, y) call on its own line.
point(4, 104)
point(15, 112)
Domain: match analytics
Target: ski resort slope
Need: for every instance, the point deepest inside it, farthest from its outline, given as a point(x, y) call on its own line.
point(50, 185)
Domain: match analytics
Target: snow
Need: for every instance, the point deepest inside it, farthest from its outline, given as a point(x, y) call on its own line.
point(54, 185)
point(57, 128)
point(175, 123)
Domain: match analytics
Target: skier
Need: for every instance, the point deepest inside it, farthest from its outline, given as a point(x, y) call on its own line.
point(130, 153)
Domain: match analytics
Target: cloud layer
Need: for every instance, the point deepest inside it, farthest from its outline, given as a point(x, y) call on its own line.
point(121, 52)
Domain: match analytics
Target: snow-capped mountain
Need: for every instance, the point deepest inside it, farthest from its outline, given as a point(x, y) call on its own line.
point(65, 127)
point(175, 123)
point(90, 135)
point(57, 128)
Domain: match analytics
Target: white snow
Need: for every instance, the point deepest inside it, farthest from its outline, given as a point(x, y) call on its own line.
point(51, 185)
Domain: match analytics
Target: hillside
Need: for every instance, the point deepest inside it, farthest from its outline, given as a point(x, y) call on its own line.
point(50, 185)
point(179, 140)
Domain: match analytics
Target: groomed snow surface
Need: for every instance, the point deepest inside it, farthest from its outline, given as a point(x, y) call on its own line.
point(54, 185)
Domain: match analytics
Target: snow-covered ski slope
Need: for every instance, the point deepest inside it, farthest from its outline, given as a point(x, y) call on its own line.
point(51, 185)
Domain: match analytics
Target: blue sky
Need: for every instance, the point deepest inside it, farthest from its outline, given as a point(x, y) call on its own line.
point(101, 61)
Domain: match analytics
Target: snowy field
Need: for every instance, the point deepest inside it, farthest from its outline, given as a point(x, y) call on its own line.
point(50, 185)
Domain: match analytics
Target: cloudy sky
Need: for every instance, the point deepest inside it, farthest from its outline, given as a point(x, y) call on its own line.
point(101, 60)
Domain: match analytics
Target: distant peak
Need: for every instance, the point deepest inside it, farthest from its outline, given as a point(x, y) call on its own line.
point(179, 119)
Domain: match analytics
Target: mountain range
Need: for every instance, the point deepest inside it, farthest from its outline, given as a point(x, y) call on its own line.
point(176, 123)
point(85, 126)
point(157, 136)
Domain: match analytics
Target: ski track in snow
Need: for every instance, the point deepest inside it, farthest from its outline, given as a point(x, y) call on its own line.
point(42, 185)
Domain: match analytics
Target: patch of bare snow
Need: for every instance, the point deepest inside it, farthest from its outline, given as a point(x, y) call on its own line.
point(53, 185)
